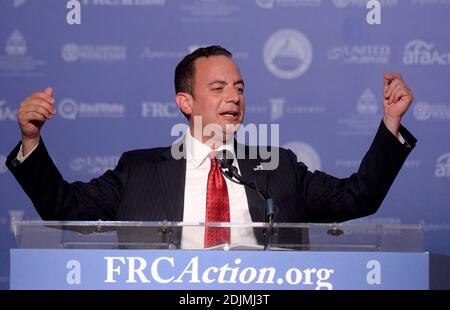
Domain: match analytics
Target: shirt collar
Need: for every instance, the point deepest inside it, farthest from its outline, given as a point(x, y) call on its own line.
point(197, 152)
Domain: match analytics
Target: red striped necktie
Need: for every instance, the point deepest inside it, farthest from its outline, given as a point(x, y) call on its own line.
point(217, 207)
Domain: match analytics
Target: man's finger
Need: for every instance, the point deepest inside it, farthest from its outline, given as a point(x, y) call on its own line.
point(49, 91)
point(38, 109)
point(44, 96)
point(37, 102)
point(391, 87)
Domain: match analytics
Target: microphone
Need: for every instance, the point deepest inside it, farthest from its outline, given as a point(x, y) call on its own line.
point(225, 159)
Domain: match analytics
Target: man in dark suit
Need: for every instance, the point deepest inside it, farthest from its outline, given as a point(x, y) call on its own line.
point(154, 184)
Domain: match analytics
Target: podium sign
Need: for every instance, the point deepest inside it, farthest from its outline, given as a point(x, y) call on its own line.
point(167, 255)
point(211, 270)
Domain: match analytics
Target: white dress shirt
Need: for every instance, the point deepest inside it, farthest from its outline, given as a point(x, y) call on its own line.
point(197, 168)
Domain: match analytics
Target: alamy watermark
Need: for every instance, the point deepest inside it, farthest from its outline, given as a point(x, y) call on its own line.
point(373, 17)
point(215, 135)
point(73, 16)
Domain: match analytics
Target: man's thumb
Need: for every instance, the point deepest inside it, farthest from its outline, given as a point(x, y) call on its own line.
point(49, 91)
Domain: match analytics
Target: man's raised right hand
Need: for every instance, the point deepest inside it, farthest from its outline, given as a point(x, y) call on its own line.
point(33, 112)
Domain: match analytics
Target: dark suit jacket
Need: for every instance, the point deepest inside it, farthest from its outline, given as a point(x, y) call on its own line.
point(148, 185)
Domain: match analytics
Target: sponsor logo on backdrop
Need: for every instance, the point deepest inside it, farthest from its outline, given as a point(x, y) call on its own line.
point(3, 167)
point(256, 109)
point(288, 53)
point(94, 164)
point(236, 54)
point(72, 52)
point(396, 221)
point(18, 3)
point(366, 119)
point(7, 113)
point(377, 220)
point(424, 111)
point(430, 2)
point(270, 4)
point(16, 62)
point(151, 54)
point(158, 109)
point(367, 103)
point(278, 107)
point(419, 52)
point(360, 54)
point(209, 11)
point(443, 166)
point(14, 217)
point(434, 226)
point(124, 2)
point(69, 108)
point(16, 45)
point(306, 154)
point(354, 163)
point(305, 109)
point(342, 4)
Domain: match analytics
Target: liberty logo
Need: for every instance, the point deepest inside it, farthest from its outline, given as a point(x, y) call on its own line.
point(74, 15)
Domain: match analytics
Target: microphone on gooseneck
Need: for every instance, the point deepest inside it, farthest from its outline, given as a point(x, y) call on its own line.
point(225, 159)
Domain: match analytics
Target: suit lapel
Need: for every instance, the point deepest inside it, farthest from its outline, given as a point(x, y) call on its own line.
point(255, 203)
point(172, 175)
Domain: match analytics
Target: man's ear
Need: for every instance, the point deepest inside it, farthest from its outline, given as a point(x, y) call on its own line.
point(184, 102)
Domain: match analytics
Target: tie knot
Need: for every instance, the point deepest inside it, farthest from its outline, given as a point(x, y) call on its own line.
point(212, 154)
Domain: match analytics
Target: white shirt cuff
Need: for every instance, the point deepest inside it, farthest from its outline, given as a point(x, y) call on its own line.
point(20, 157)
point(400, 138)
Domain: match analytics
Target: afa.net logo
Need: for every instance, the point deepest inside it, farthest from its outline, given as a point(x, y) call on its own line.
point(443, 166)
point(419, 52)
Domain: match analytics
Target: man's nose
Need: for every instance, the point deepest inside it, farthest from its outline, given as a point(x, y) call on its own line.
point(232, 95)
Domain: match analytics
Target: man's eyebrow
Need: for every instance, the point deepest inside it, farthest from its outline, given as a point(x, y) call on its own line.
point(225, 83)
point(239, 82)
point(217, 82)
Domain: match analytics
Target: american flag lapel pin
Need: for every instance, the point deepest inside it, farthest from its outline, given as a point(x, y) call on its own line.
point(258, 167)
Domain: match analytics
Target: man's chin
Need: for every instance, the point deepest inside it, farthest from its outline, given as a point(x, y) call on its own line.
point(231, 128)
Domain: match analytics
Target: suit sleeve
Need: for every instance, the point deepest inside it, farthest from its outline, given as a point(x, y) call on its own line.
point(330, 199)
point(56, 199)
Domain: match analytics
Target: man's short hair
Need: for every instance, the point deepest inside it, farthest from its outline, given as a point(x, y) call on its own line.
point(185, 70)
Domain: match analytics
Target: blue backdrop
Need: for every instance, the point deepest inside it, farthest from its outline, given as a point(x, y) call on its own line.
point(313, 66)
